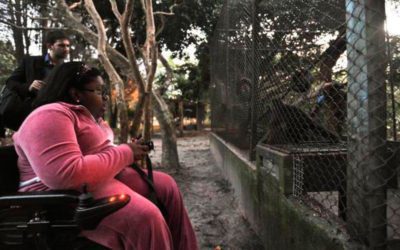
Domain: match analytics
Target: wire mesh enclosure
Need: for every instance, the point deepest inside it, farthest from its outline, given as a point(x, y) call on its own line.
point(316, 83)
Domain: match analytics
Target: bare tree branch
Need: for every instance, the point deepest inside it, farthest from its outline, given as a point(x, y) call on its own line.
point(162, 26)
point(71, 21)
point(110, 69)
point(143, 4)
point(43, 18)
point(74, 5)
point(164, 13)
point(101, 46)
point(170, 72)
point(150, 44)
point(124, 20)
point(170, 13)
point(115, 10)
point(150, 54)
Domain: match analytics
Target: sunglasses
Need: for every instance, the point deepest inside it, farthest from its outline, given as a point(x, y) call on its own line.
point(101, 92)
point(82, 73)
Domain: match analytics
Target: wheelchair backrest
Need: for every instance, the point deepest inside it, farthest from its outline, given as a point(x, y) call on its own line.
point(9, 173)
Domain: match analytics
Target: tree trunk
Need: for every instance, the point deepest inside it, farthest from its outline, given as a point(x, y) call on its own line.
point(44, 11)
point(199, 115)
point(147, 119)
point(180, 115)
point(113, 113)
point(124, 21)
point(170, 157)
point(15, 15)
point(150, 60)
point(331, 55)
point(137, 117)
point(165, 118)
point(25, 32)
point(124, 122)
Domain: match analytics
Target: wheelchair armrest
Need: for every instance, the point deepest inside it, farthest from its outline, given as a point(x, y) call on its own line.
point(58, 197)
point(88, 217)
point(52, 218)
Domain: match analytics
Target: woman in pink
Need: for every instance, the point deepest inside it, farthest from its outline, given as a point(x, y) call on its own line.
point(65, 144)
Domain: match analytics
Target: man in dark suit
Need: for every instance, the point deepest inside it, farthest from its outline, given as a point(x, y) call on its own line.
point(27, 79)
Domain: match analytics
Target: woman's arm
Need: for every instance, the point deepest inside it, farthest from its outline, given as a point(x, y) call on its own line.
point(50, 143)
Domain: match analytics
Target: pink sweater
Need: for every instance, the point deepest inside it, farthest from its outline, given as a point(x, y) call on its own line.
point(65, 147)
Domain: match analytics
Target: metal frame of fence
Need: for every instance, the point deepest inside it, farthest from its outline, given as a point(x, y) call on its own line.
point(316, 81)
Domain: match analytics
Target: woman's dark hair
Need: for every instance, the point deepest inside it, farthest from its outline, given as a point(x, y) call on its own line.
point(63, 77)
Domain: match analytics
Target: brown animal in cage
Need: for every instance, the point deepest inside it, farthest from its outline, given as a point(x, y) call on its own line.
point(286, 124)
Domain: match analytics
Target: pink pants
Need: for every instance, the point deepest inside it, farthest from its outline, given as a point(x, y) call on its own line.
point(140, 224)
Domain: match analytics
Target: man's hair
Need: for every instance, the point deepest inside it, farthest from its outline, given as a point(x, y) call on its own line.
point(53, 36)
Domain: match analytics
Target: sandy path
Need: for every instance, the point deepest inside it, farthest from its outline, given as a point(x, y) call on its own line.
point(209, 198)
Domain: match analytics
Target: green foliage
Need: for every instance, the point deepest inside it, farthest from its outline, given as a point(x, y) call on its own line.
point(294, 27)
point(190, 81)
point(189, 15)
point(7, 60)
point(393, 87)
point(187, 81)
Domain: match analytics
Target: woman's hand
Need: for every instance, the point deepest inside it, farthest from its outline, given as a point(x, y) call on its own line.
point(139, 150)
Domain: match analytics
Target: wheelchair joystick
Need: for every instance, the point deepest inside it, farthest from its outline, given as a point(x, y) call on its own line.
point(86, 198)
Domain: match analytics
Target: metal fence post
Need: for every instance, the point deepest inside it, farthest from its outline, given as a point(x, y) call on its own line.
point(253, 122)
point(366, 121)
point(226, 75)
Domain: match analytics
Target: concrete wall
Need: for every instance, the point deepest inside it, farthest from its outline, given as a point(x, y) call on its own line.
point(280, 222)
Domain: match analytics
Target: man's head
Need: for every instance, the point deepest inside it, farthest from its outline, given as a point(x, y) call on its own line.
point(58, 44)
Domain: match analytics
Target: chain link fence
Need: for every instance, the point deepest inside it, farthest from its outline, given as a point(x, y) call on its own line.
point(317, 83)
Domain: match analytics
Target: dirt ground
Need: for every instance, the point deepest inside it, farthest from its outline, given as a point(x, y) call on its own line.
point(209, 198)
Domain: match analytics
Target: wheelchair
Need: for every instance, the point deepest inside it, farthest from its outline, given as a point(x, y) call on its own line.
point(47, 219)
